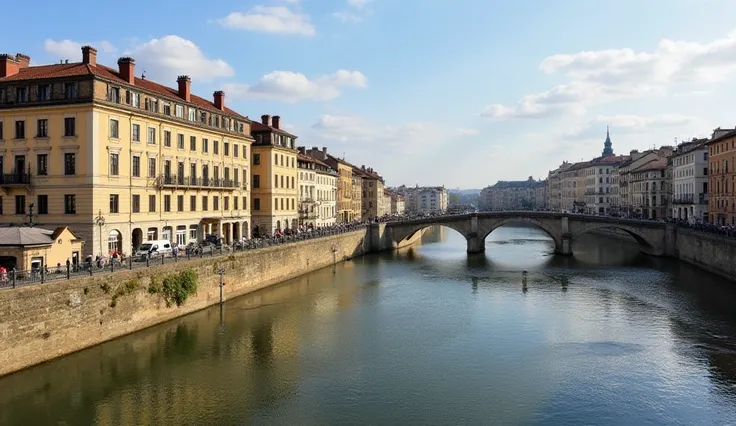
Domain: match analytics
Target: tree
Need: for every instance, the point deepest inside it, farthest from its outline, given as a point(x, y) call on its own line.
point(453, 199)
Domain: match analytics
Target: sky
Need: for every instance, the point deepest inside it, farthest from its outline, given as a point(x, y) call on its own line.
point(460, 93)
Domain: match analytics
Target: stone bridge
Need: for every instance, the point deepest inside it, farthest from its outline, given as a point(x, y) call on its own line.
point(654, 238)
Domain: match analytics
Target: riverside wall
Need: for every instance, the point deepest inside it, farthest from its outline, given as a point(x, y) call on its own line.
point(714, 253)
point(45, 321)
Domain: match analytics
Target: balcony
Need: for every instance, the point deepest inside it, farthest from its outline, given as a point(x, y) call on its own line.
point(15, 179)
point(175, 181)
point(690, 199)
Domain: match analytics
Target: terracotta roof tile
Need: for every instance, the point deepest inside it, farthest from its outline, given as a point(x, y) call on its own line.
point(258, 126)
point(78, 69)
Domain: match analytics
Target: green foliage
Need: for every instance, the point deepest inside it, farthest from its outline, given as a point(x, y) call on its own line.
point(126, 288)
point(155, 285)
point(177, 288)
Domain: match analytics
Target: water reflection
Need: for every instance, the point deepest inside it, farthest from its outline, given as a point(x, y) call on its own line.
point(607, 337)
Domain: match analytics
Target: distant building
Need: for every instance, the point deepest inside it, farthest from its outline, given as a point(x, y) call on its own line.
point(515, 195)
point(26, 248)
point(428, 199)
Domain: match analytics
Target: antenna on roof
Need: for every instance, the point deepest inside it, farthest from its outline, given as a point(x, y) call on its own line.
point(143, 76)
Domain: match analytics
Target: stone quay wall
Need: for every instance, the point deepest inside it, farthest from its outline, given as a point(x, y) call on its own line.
point(44, 321)
point(714, 253)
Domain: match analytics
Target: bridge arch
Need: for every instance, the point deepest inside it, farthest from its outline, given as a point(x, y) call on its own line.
point(407, 233)
point(545, 226)
point(646, 243)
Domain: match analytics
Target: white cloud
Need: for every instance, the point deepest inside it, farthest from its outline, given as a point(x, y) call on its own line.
point(596, 77)
point(72, 50)
point(347, 17)
point(287, 86)
point(163, 59)
point(631, 124)
point(270, 19)
point(467, 132)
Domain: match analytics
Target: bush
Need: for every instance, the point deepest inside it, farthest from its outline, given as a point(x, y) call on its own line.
point(177, 288)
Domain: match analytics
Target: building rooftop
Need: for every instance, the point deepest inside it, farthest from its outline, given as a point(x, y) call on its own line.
point(81, 69)
point(27, 236)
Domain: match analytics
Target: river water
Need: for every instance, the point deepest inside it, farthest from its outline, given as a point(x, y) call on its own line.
point(424, 336)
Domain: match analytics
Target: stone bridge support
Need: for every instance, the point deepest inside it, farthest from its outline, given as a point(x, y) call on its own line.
point(476, 242)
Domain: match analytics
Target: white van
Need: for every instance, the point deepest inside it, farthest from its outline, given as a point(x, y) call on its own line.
point(154, 248)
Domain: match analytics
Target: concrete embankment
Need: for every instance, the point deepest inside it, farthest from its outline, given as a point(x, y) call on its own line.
point(45, 321)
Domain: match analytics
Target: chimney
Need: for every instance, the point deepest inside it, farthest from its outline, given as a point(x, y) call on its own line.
point(266, 120)
point(8, 65)
point(89, 55)
point(185, 91)
point(302, 150)
point(23, 60)
point(314, 148)
point(324, 150)
point(276, 122)
point(220, 100)
point(126, 66)
point(362, 167)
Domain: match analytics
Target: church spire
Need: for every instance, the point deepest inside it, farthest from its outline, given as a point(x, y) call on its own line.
point(607, 145)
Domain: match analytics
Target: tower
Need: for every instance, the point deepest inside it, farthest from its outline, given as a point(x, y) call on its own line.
point(607, 149)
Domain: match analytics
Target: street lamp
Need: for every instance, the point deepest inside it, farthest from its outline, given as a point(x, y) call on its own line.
point(100, 221)
point(30, 221)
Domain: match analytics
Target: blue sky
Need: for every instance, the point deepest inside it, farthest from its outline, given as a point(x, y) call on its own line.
point(461, 93)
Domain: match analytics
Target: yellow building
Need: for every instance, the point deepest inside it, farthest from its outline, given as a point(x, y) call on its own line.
point(275, 177)
point(372, 196)
point(25, 248)
point(119, 158)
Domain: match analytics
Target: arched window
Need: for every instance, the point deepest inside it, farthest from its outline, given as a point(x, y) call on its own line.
point(114, 242)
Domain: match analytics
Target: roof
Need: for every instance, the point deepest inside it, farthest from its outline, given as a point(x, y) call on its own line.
point(305, 158)
point(80, 69)
point(26, 236)
point(260, 127)
point(656, 164)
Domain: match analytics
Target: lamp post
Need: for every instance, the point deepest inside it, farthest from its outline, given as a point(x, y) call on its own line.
point(100, 221)
point(30, 221)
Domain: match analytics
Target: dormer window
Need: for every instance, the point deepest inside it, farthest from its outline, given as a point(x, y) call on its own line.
point(226, 123)
point(180, 111)
point(192, 114)
point(217, 121)
point(167, 109)
point(152, 105)
point(134, 99)
point(113, 94)
point(241, 127)
point(70, 90)
point(203, 117)
point(21, 95)
point(44, 92)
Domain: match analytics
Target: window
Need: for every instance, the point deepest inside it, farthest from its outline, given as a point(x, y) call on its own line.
point(20, 129)
point(114, 203)
point(42, 128)
point(235, 150)
point(70, 204)
point(203, 117)
point(1, 130)
point(180, 203)
point(205, 145)
point(152, 105)
point(113, 94)
point(20, 204)
point(135, 99)
point(44, 92)
point(226, 147)
point(114, 128)
point(256, 159)
point(204, 203)
point(276, 181)
point(180, 141)
point(43, 204)
point(167, 138)
point(215, 203)
point(70, 163)
point(192, 114)
point(226, 203)
point(235, 203)
point(151, 167)
point(167, 203)
point(193, 203)
point(42, 164)
point(136, 134)
point(114, 164)
point(70, 90)
point(21, 95)
point(193, 171)
point(192, 143)
point(256, 204)
point(136, 203)
point(180, 111)
point(136, 166)
point(216, 147)
point(151, 203)
point(152, 136)
point(167, 109)
point(256, 181)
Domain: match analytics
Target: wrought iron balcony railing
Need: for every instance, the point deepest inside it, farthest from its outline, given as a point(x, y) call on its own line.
point(15, 178)
point(196, 182)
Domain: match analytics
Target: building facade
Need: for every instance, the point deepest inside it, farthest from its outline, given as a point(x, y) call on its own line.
point(307, 181)
point(398, 204)
point(275, 174)
point(514, 195)
point(722, 177)
point(649, 190)
point(690, 181)
point(118, 158)
point(326, 193)
point(599, 185)
point(372, 193)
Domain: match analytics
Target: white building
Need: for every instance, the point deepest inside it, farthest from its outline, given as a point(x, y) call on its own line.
point(307, 181)
point(326, 194)
point(690, 181)
point(599, 184)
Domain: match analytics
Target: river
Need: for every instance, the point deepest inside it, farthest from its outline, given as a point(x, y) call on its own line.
point(424, 336)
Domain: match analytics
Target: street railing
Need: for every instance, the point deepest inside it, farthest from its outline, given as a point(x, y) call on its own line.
point(14, 278)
